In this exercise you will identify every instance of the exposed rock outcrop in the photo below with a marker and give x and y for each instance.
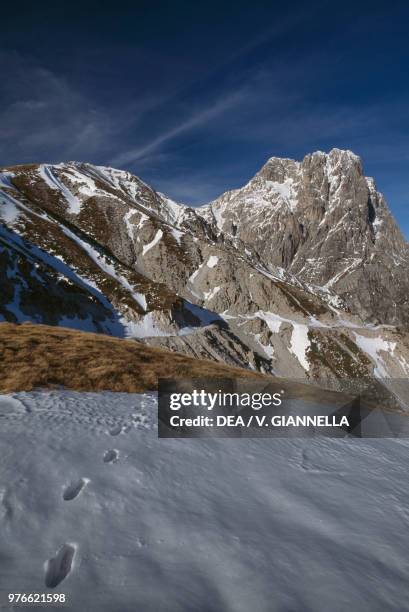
(323, 221)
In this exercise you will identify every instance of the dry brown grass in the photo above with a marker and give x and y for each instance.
(40, 356)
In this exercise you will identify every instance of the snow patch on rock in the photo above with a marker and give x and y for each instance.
(153, 242)
(56, 184)
(374, 347)
(212, 261)
(300, 344)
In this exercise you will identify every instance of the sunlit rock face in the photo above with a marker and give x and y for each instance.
(324, 221)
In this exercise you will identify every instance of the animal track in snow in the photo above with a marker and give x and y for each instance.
(58, 567)
(74, 489)
(111, 456)
(141, 420)
(115, 431)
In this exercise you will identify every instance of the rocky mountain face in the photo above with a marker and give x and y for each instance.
(302, 272)
(323, 221)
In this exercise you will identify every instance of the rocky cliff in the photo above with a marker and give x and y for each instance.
(323, 221)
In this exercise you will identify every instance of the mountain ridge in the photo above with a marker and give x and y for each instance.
(118, 257)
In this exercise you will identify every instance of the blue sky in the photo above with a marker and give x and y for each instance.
(195, 96)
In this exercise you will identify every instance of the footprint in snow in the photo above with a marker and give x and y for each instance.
(115, 431)
(74, 489)
(111, 456)
(59, 567)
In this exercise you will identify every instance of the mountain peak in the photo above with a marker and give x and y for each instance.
(322, 220)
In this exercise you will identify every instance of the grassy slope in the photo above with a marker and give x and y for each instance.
(42, 356)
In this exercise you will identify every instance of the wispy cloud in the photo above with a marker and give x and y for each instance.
(199, 119)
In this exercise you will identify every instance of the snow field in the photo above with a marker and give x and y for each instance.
(94, 505)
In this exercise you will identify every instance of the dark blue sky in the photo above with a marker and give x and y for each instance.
(195, 96)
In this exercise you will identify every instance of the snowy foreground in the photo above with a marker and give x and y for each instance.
(93, 505)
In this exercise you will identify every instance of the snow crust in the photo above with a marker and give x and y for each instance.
(196, 525)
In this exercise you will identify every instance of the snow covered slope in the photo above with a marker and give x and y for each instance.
(94, 505)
